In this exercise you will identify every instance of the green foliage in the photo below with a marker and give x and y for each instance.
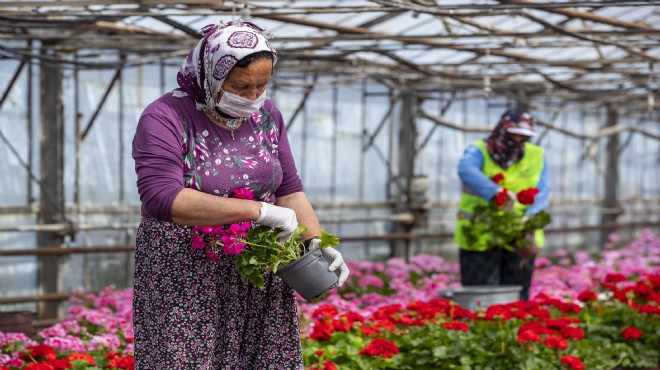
(494, 340)
(265, 253)
(505, 229)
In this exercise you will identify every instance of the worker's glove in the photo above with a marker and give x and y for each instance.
(335, 259)
(511, 199)
(281, 218)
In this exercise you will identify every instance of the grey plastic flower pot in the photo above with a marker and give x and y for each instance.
(480, 297)
(309, 275)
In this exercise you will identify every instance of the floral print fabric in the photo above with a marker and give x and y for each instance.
(193, 313)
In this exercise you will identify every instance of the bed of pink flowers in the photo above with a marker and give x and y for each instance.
(98, 331)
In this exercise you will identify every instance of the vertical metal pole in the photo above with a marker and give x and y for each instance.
(440, 153)
(305, 138)
(30, 126)
(122, 200)
(335, 132)
(77, 124)
(406, 167)
(77, 117)
(121, 132)
(51, 207)
(162, 75)
(361, 182)
(390, 145)
(610, 200)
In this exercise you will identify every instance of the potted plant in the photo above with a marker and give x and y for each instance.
(258, 251)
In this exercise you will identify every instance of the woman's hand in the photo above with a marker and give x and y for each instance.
(280, 218)
(337, 261)
(510, 201)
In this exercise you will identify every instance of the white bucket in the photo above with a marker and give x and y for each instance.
(480, 297)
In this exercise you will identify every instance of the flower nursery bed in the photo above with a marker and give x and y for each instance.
(588, 312)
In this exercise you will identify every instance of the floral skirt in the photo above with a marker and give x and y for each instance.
(193, 313)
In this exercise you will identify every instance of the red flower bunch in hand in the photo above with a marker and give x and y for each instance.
(500, 197)
(526, 196)
(505, 225)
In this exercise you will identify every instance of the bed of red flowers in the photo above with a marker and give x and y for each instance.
(615, 326)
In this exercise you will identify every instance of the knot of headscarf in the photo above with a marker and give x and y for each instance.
(207, 65)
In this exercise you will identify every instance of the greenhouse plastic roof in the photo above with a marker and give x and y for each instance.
(581, 50)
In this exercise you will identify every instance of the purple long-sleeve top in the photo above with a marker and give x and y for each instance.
(176, 146)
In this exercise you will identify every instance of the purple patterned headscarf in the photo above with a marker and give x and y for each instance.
(502, 149)
(207, 65)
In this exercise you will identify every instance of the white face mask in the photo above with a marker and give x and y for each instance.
(237, 106)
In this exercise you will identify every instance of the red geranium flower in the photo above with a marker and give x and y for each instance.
(650, 309)
(321, 331)
(380, 347)
(528, 335)
(526, 196)
(631, 333)
(572, 332)
(385, 324)
(587, 295)
(500, 197)
(124, 363)
(615, 278)
(643, 289)
(386, 312)
(558, 323)
(369, 330)
(342, 324)
(352, 317)
(456, 325)
(574, 362)
(38, 366)
(498, 178)
(326, 310)
(555, 342)
(655, 280)
(39, 352)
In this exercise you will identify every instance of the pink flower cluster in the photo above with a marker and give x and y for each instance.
(226, 238)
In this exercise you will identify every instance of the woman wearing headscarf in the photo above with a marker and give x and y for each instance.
(506, 151)
(194, 147)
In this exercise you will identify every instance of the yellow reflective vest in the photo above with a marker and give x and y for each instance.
(523, 174)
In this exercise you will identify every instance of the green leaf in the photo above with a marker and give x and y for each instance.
(328, 240)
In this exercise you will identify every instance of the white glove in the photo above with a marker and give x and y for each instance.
(333, 255)
(280, 218)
